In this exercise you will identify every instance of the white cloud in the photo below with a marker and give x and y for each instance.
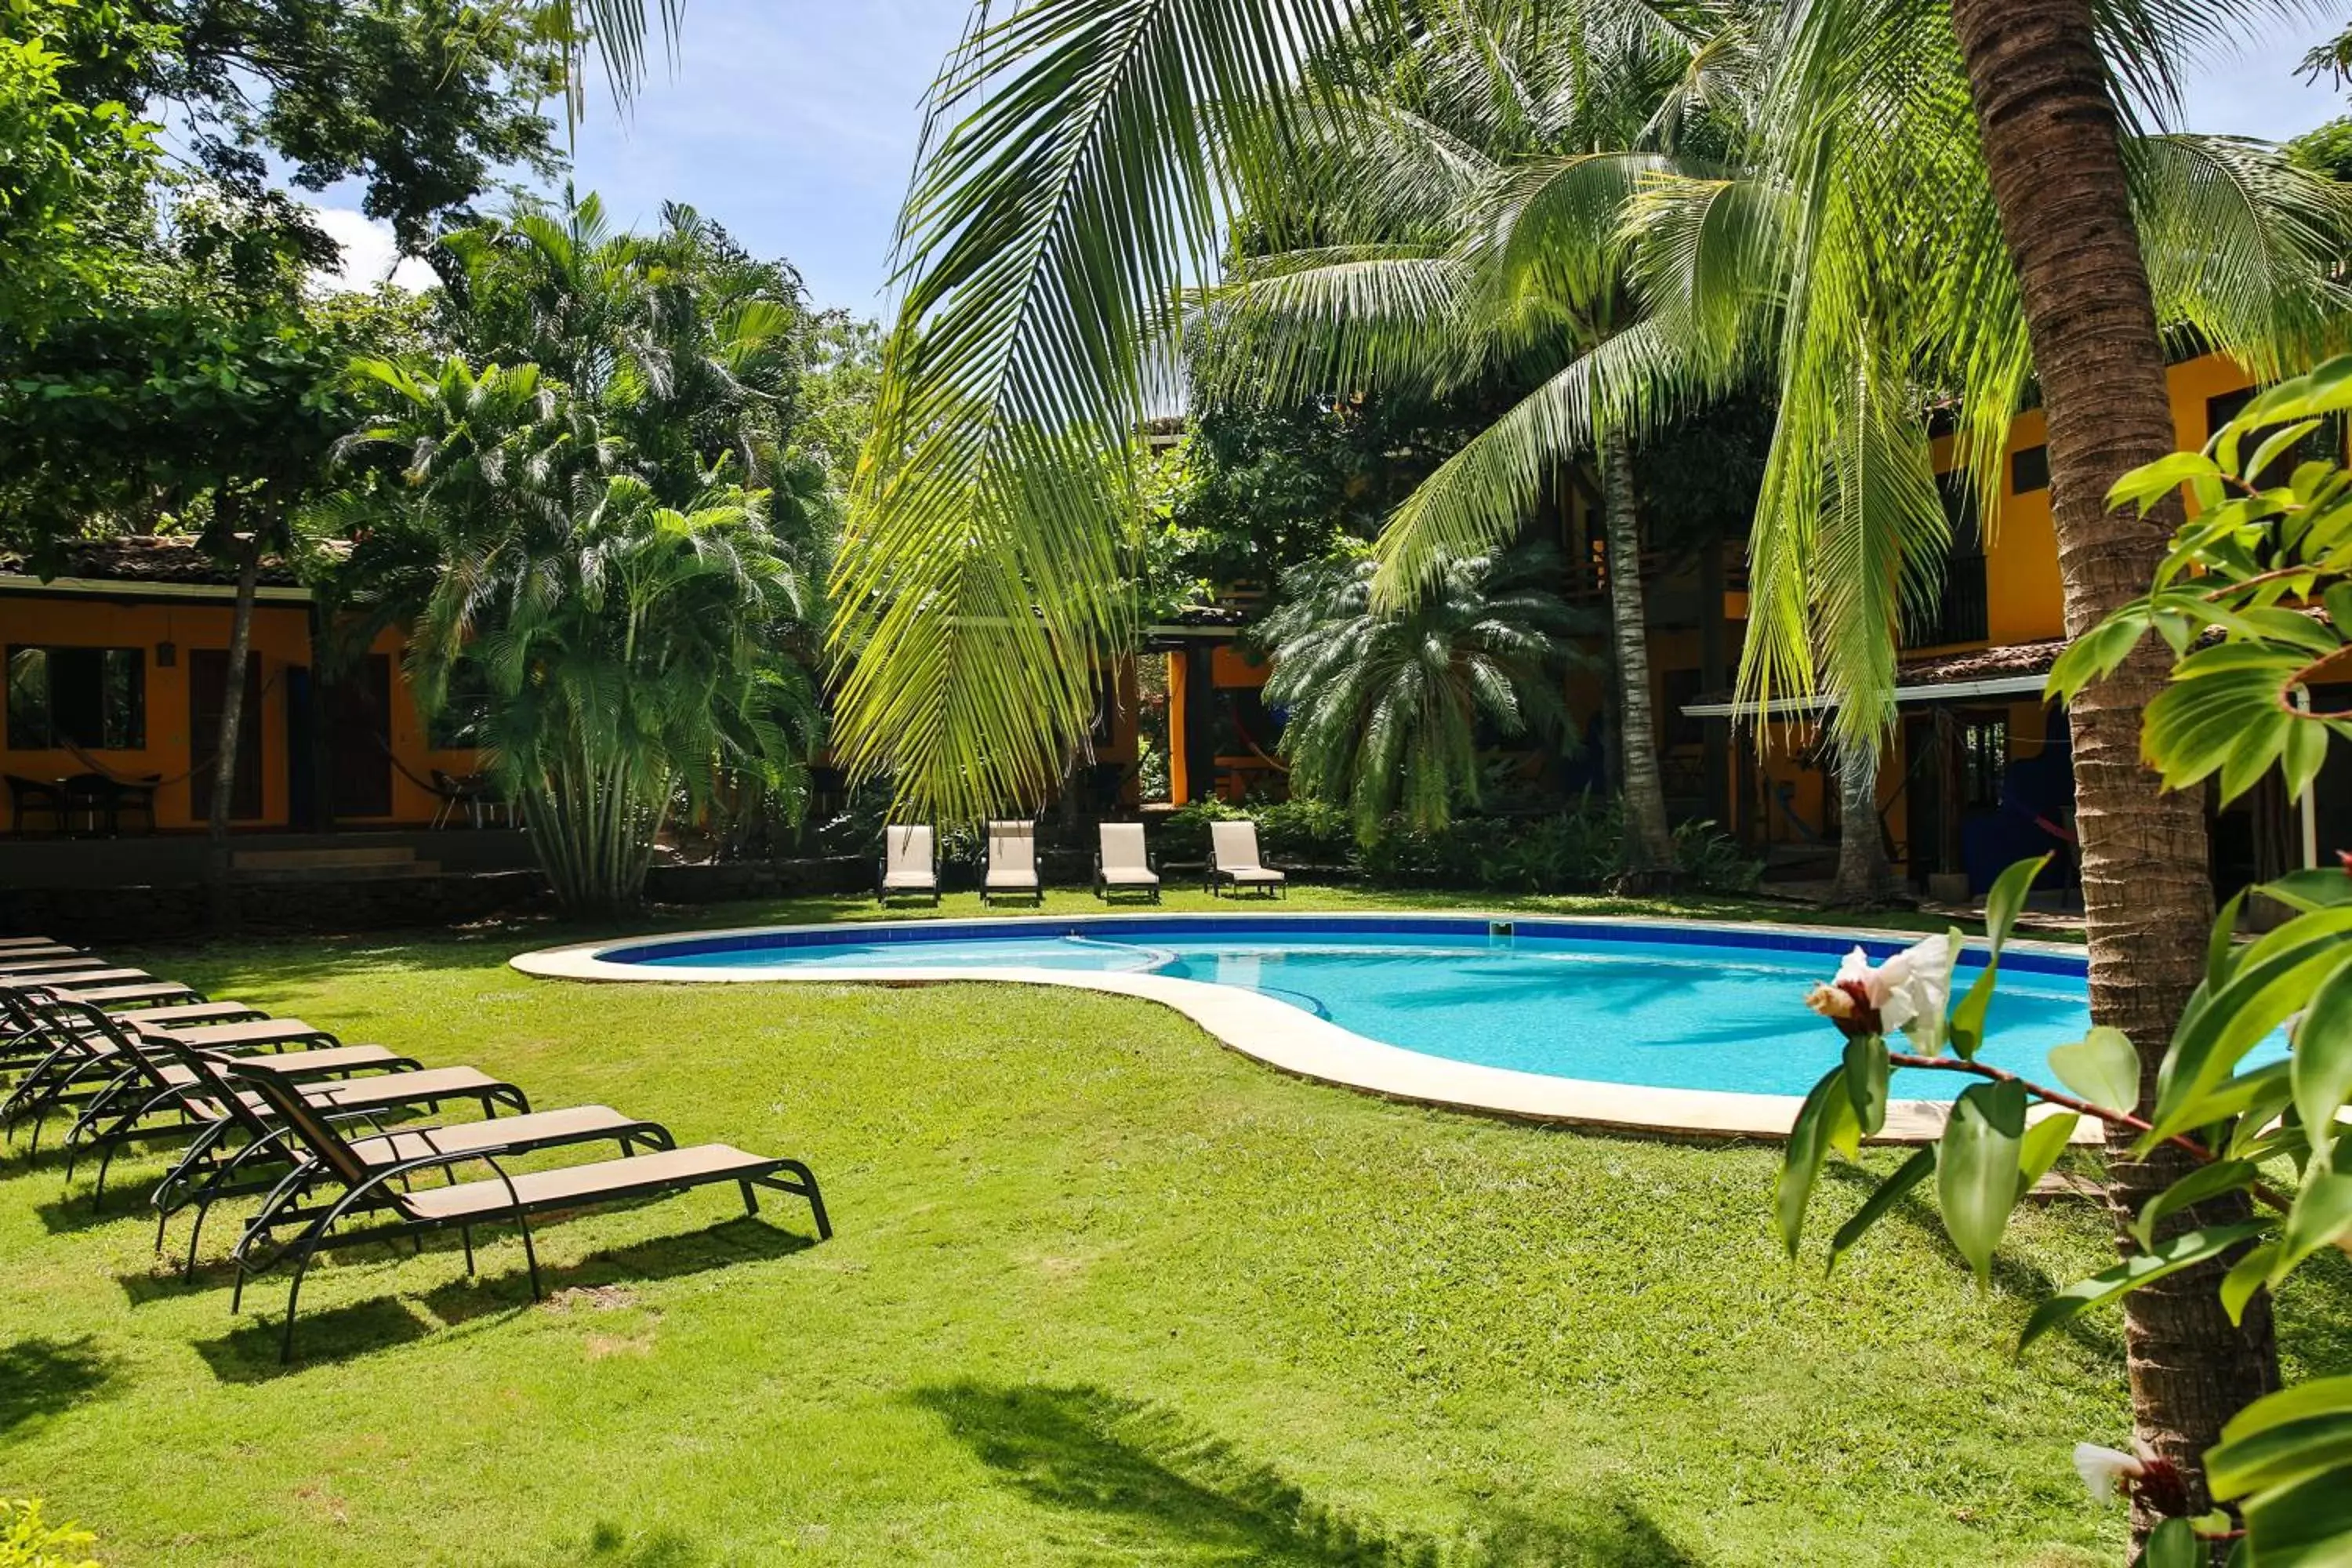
(369, 252)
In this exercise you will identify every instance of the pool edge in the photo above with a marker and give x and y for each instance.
(1298, 1043)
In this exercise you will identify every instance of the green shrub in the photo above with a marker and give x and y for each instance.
(25, 1542)
(1579, 850)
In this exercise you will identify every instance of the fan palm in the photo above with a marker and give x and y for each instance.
(1386, 705)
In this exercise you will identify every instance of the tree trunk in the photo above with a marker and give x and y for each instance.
(220, 893)
(1864, 879)
(1649, 842)
(2054, 152)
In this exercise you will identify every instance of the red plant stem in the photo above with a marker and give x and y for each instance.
(2118, 1118)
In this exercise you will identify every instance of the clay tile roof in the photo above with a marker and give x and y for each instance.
(1981, 664)
(149, 559)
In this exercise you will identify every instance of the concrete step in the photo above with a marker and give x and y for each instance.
(340, 857)
(362, 872)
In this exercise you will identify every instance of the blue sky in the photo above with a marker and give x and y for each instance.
(792, 123)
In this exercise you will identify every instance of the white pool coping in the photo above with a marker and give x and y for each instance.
(1297, 1042)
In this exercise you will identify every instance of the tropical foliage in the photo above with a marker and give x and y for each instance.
(2228, 602)
(1387, 710)
(595, 592)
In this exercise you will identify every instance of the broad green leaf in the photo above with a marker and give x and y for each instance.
(2281, 1454)
(2321, 1065)
(1865, 1081)
(2265, 1087)
(2204, 1182)
(2002, 906)
(1976, 1169)
(1908, 1175)
(2279, 441)
(2152, 482)
(2173, 1543)
(2307, 1525)
(2044, 1142)
(2338, 600)
(2318, 1396)
(2246, 1276)
(2221, 947)
(2315, 888)
(2322, 1212)
(2101, 1066)
(2006, 902)
(2176, 1253)
(2276, 977)
(1808, 1145)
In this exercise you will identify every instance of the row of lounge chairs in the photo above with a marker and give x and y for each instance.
(321, 1132)
(1123, 863)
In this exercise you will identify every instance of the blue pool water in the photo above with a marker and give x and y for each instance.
(1673, 1009)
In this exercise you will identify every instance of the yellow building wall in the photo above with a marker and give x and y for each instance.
(280, 641)
(2025, 599)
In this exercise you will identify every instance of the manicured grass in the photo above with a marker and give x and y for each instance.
(1103, 1292)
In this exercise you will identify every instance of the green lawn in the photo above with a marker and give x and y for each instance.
(1102, 1293)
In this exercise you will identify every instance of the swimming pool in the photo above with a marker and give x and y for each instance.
(1694, 1017)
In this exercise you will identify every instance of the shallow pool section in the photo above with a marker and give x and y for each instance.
(1657, 1004)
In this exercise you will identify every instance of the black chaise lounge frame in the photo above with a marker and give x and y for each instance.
(207, 1173)
(463, 1204)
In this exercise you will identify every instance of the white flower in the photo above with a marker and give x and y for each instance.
(1910, 988)
(2103, 1470)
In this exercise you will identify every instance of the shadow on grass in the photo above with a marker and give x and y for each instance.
(248, 1352)
(1159, 1488)
(610, 1543)
(41, 1377)
(2028, 1281)
(742, 1239)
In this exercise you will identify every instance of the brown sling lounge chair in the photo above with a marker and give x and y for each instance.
(154, 1097)
(208, 1173)
(499, 1197)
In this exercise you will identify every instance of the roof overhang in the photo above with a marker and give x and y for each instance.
(1945, 691)
(126, 590)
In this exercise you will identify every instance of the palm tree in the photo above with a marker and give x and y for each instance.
(1386, 705)
(1075, 175)
(1462, 219)
(630, 669)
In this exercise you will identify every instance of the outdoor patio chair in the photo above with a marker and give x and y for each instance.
(1123, 862)
(503, 1195)
(910, 864)
(1011, 863)
(211, 1171)
(1233, 861)
(153, 1096)
(28, 966)
(30, 797)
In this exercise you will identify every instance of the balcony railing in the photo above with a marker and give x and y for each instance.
(1960, 616)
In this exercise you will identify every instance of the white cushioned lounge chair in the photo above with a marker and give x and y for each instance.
(1011, 863)
(1123, 862)
(1233, 861)
(910, 864)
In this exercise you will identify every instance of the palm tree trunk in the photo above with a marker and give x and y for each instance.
(220, 893)
(1864, 879)
(1648, 841)
(2052, 149)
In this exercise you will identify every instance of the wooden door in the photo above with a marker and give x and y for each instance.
(207, 686)
(360, 700)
